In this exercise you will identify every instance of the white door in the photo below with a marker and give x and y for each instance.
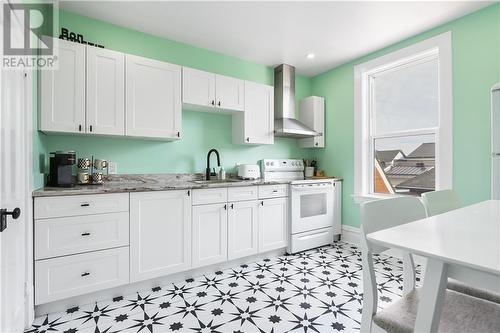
(198, 87)
(209, 234)
(160, 233)
(242, 229)
(273, 218)
(15, 146)
(259, 113)
(229, 93)
(153, 98)
(105, 91)
(62, 91)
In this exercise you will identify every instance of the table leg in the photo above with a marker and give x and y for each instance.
(432, 296)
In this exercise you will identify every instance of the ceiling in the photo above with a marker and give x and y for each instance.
(271, 33)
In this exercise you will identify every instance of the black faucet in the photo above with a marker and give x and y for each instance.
(208, 173)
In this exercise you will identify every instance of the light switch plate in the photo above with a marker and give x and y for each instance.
(112, 168)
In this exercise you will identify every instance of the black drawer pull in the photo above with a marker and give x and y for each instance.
(275, 191)
(85, 205)
(85, 274)
(232, 206)
(262, 203)
(86, 234)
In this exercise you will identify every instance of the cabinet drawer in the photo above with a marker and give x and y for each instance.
(69, 276)
(47, 207)
(70, 235)
(242, 193)
(273, 191)
(310, 239)
(209, 196)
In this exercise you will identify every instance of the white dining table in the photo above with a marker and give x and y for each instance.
(463, 244)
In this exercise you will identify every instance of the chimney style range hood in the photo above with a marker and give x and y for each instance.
(285, 124)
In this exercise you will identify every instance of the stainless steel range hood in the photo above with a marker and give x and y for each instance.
(285, 124)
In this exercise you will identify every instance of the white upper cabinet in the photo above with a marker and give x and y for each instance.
(229, 93)
(160, 234)
(312, 114)
(205, 91)
(153, 98)
(242, 229)
(105, 92)
(62, 92)
(198, 87)
(256, 124)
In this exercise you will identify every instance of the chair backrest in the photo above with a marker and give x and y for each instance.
(375, 216)
(438, 202)
(387, 213)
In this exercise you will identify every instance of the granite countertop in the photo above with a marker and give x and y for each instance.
(147, 182)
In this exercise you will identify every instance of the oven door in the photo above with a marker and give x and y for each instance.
(312, 206)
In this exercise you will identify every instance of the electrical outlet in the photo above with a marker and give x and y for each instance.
(112, 168)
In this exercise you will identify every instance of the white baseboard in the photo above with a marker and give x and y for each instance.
(350, 234)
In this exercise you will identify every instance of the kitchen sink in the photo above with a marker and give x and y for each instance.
(216, 181)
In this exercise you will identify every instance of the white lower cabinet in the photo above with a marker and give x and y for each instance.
(273, 220)
(242, 227)
(160, 233)
(78, 274)
(209, 234)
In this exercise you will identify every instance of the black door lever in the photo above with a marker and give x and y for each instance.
(3, 217)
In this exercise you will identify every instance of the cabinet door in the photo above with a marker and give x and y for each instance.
(105, 91)
(153, 98)
(242, 228)
(62, 91)
(160, 234)
(229, 93)
(209, 234)
(273, 220)
(259, 114)
(198, 87)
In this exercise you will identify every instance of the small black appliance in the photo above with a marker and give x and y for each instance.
(62, 168)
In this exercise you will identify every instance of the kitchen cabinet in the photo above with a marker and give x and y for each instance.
(256, 124)
(312, 114)
(273, 221)
(209, 234)
(160, 233)
(205, 91)
(229, 93)
(62, 91)
(242, 225)
(152, 99)
(105, 108)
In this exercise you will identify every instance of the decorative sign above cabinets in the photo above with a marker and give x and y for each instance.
(74, 37)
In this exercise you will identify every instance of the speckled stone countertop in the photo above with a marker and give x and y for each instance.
(147, 182)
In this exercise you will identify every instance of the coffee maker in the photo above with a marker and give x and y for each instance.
(62, 165)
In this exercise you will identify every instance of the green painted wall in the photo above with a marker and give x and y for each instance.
(201, 131)
(476, 67)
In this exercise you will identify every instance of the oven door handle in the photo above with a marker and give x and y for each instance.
(311, 188)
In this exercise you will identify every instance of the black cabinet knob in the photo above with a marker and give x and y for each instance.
(213, 102)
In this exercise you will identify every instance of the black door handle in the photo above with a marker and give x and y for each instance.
(15, 213)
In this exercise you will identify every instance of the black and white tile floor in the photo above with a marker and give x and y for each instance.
(316, 291)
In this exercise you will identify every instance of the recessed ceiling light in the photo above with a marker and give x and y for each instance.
(310, 56)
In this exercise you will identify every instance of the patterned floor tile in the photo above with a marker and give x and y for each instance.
(316, 291)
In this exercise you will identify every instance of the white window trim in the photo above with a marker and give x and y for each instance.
(444, 140)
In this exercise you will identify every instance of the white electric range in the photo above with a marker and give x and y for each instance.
(314, 204)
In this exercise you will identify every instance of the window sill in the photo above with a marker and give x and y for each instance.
(361, 198)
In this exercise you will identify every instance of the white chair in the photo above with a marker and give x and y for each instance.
(438, 202)
(461, 313)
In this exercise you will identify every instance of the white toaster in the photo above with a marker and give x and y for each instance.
(248, 171)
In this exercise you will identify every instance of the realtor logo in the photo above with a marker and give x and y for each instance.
(24, 25)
